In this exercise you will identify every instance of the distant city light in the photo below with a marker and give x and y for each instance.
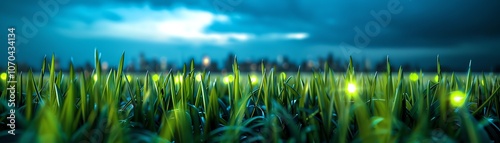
(105, 66)
(413, 76)
(206, 61)
(310, 64)
(163, 63)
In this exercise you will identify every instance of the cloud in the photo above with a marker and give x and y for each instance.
(296, 36)
(326, 22)
(179, 25)
(146, 24)
(284, 36)
(421, 23)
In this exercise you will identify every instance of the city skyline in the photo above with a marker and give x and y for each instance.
(280, 64)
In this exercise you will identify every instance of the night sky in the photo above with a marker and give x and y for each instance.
(408, 31)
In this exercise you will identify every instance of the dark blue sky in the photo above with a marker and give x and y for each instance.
(409, 31)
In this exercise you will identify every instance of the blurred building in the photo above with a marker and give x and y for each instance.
(279, 64)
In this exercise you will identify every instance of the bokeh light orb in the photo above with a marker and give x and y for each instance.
(414, 77)
(457, 98)
(3, 76)
(283, 75)
(228, 79)
(254, 79)
(129, 78)
(178, 79)
(198, 77)
(156, 77)
(351, 88)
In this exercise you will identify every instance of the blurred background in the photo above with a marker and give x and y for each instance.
(159, 35)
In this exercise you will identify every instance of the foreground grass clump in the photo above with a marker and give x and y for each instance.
(197, 107)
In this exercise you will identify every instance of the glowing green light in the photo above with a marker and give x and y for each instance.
(129, 78)
(254, 79)
(482, 82)
(457, 98)
(198, 77)
(156, 77)
(351, 88)
(413, 76)
(3, 76)
(95, 77)
(436, 78)
(283, 75)
(178, 79)
(228, 79)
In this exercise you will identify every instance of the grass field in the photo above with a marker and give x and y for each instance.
(188, 106)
